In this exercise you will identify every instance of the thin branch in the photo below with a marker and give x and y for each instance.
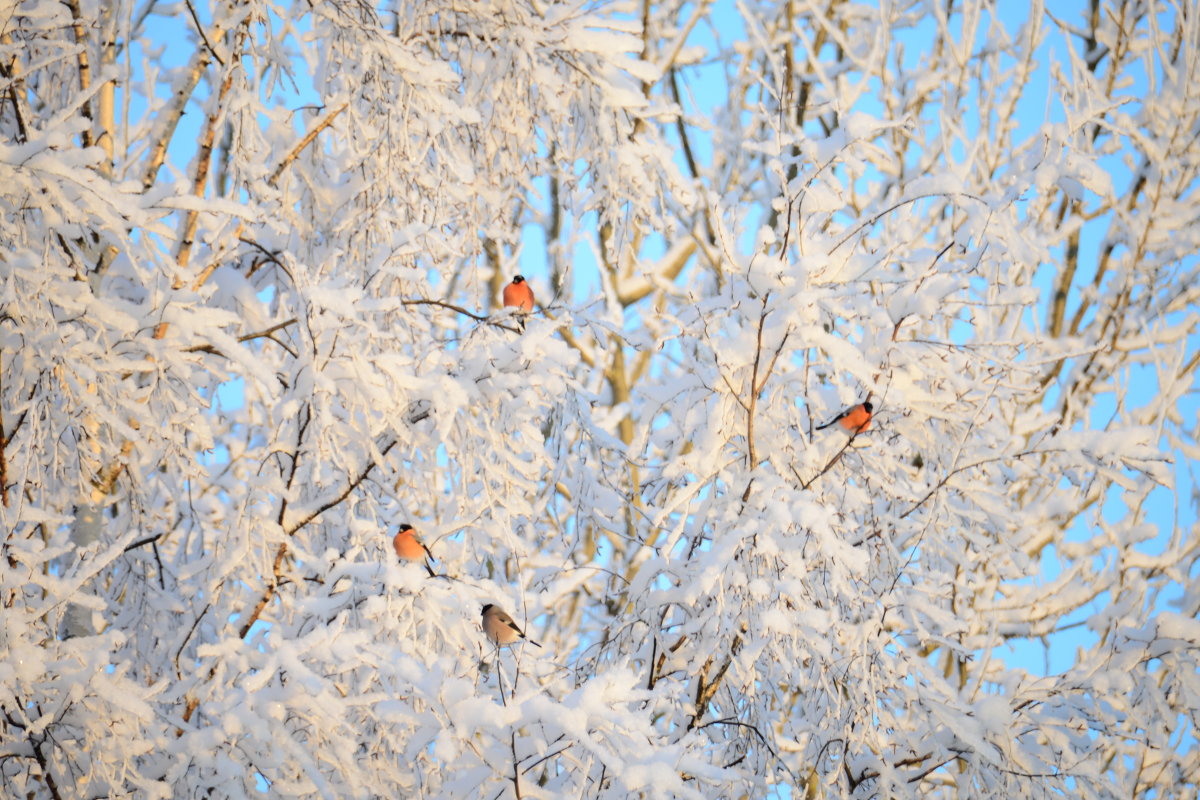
(516, 773)
(921, 775)
(738, 723)
(771, 367)
(321, 125)
(11, 72)
(268, 593)
(43, 762)
(868, 223)
(200, 30)
(3, 442)
(85, 74)
(706, 690)
(653, 653)
(192, 630)
(269, 257)
(266, 333)
(460, 310)
(549, 756)
(168, 119)
(200, 178)
(276, 567)
(837, 457)
(442, 304)
(24, 414)
(668, 62)
(965, 467)
(144, 542)
(350, 487)
(752, 407)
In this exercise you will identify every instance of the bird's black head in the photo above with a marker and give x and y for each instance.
(485, 608)
(407, 527)
(867, 405)
(518, 278)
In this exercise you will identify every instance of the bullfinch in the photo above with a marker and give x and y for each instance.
(409, 547)
(855, 419)
(518, 295)
(501, 629)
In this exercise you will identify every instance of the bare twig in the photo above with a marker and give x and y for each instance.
(144, 541)
(921, 775)
(192, 630)
(872, 220)
(200, 30)
(752, 405)
(761, 738)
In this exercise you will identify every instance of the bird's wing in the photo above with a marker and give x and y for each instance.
(838, 418)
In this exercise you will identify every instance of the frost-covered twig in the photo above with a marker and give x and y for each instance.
(3, 442)
(707, 689)
(320, 125)
(291, 528)
(516, 763)
(266, 333)
(900, 204)
(460, 310)
(35, 744)
(828, 466)
(551, 755)
(754, 729)
(10, 72)
(945, 478)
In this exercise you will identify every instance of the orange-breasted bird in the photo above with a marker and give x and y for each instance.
(519, 295)
(855, 419)
(409, 547)
(501, 629)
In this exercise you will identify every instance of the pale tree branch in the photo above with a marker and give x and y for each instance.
(315, 131)
(168, 119)
(85, 74)
(200, 178)
(11, 72)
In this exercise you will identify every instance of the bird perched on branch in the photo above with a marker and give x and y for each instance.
(409, 547)
(519, 295)
(855, 419)
(501, 629)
